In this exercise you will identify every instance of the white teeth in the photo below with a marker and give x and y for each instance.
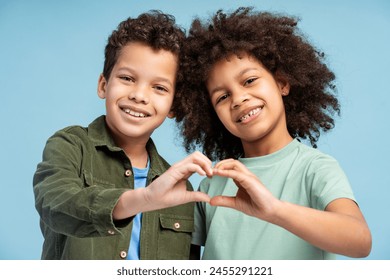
(134, 114)
(251, 113)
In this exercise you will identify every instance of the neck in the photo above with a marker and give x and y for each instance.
(266, 145)
(134, 147)
(138, 156)
(135, 151)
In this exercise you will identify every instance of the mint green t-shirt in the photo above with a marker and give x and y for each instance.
(298, 174)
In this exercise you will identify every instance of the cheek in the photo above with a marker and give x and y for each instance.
(113, 92)
(219, 113)
(279, 104)
(163, 104)
(224, 117)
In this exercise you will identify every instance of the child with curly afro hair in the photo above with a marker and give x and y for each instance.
(252, 87)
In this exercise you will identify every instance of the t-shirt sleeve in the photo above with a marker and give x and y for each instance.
(326, 181)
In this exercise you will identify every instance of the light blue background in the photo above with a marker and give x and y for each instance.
(51, 54)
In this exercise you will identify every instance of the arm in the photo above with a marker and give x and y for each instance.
(340, 229)
(167, 190)
(64, 197)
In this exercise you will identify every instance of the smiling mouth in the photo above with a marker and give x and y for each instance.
(249, 114)
(134, 113)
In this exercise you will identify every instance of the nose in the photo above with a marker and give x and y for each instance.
(139, 94)
(239, 98)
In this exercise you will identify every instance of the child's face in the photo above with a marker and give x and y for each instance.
(139, 92)
(248, 100)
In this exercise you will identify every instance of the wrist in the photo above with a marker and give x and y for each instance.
(130, 203)
(276, 212)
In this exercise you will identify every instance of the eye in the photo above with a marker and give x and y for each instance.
(221, 98)
(249, 81)
(126, 78)
(161, 89)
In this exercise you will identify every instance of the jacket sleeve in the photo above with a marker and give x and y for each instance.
(64, 200)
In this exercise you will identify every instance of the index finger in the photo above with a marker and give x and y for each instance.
(239, 177)
(232, 165)
(222, 162)
(201, 160)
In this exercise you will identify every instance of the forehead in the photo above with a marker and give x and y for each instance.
(141, 55)
(233, 65)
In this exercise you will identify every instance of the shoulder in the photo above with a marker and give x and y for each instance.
(317, 168)
(76, 130)
(325, 179)
(70, 134)
(69, 140)
(314, 158)
(95, 132)
(66, 145)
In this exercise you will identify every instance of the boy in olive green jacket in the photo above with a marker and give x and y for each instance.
(90, 188)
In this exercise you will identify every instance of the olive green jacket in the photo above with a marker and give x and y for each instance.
(76, 187)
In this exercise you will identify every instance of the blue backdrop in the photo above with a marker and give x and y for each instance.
(51, 55)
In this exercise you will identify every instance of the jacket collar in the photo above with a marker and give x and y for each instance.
(100, 135)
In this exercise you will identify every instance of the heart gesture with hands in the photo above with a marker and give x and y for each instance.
(252, 197)
(168, 190)
(340, 228)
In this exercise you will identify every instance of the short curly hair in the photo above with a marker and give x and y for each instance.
(155, 29)
(276, 42)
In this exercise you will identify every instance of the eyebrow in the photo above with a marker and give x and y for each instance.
(215, 90)
(245, 70)
(162, 79)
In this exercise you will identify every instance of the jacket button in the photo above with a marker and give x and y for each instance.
(176, 225)
(111, 232)
(128, 173)
(123, 254)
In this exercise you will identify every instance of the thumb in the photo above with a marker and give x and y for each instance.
(224, 201)
(199, 196)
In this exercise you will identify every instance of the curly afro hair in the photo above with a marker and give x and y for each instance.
(155, 29)
(275, 41)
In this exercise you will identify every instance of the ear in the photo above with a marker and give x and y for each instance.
(283, 85)
(101, 89)
(285, 89)
(171, 114)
